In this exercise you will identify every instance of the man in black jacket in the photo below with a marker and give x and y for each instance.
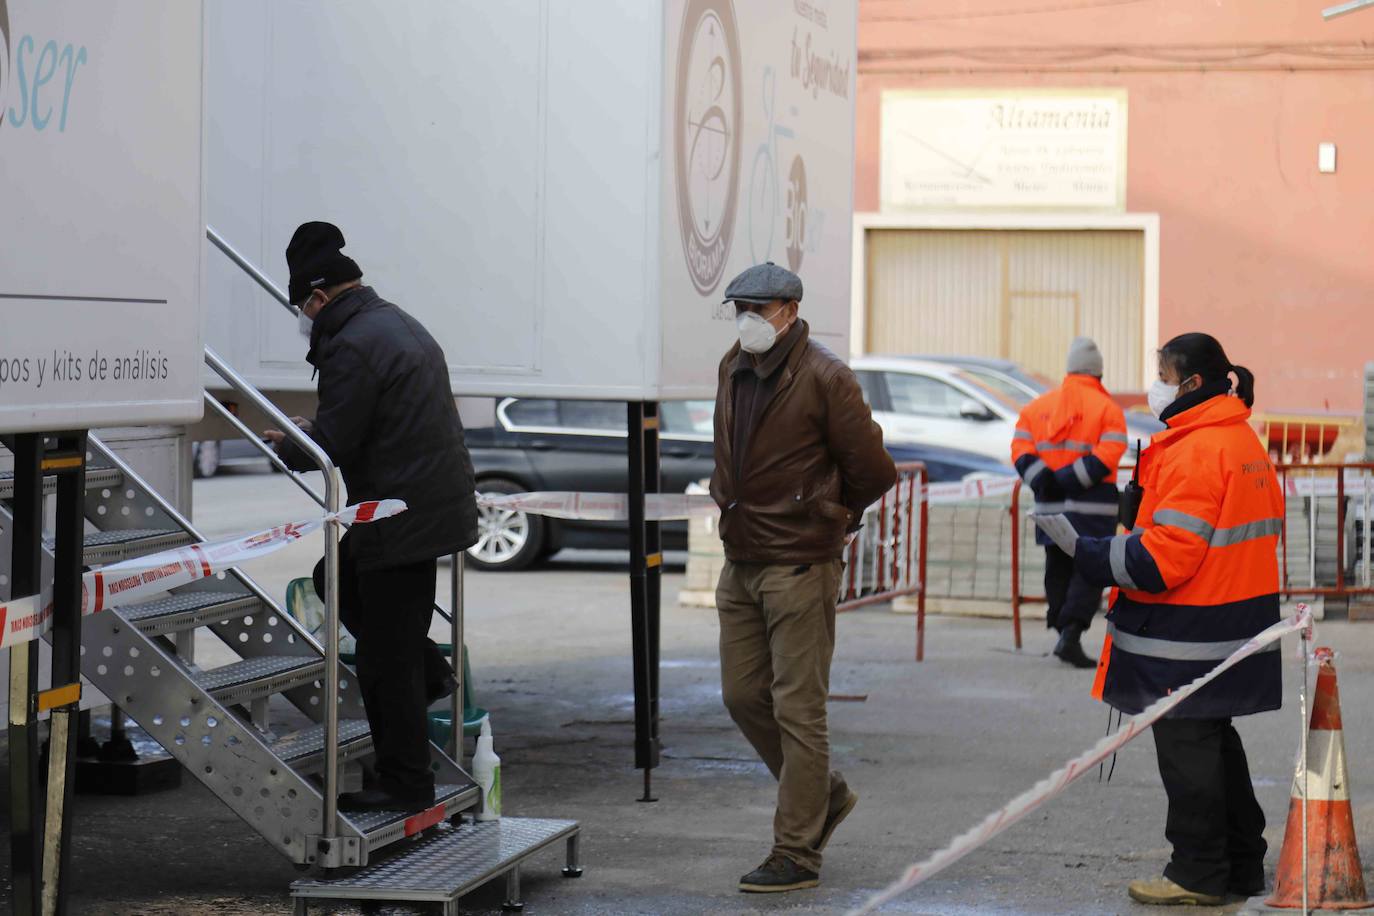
(388, 420)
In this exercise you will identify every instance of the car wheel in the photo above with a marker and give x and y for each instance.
(205, 459)
(507, 539)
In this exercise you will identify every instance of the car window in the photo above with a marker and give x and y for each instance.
(533, 412)
(868, 384)
(998, 387)
(922, 395)
(688, 418)
(609, 416)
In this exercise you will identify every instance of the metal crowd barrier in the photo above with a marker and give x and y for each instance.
(1324, 548)
(1018, 535)
(1324, 545)
(887, 559)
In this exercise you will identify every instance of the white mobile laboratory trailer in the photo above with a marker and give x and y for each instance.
(559, 190)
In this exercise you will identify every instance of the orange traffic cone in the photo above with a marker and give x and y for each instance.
(1335, 881)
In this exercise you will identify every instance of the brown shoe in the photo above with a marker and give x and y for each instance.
(776, 875)
(1163, 892)
(836, 815)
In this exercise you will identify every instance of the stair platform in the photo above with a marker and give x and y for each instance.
(449, 864)
(96, 476)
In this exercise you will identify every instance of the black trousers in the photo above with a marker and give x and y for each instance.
(388, 611)
(1215, 824)
(1071, 598)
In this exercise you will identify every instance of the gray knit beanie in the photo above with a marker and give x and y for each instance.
(1084, 357)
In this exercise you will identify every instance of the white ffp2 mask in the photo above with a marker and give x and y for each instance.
(756, 333)
(1161, 395)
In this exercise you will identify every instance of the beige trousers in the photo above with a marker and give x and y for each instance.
(777, 636)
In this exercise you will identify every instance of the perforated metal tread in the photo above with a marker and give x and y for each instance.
(95, 477)
(113, 546)
(254, 678)
(447, 865)
(298, 748)
(187, 610)
(379, 825)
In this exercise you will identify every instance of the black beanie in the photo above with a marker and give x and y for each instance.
(315, 261)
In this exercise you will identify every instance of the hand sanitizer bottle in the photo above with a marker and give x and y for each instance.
(486, 769)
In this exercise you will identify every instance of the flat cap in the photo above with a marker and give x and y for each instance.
(764, 283)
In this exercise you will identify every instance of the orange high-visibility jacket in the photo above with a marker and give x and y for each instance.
(1198, 576)
(1067, 446)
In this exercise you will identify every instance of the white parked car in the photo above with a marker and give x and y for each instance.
(966, 403)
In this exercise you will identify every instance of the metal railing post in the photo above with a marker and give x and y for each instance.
(457, 710)
(1364, 519)
(1016, 563)
(1340, 529)
(331, 655)
(922, 544)
(1313, 506)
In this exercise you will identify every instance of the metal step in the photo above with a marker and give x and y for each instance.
(256, 678)
(114, 546)
(304, 750)
(188, 610)
(451, 863)
(95, 477)
(381, 828)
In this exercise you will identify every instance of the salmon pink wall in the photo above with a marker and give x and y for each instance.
(1228, 100)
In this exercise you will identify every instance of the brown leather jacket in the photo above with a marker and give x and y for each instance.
(814, 463)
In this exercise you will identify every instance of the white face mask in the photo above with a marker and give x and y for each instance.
(305, 324)
(1161, 395)
(756, 333)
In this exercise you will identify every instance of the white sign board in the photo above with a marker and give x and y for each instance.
(1003, 149)
(100, 214)
(558, 191)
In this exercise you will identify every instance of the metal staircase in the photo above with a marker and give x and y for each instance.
(256, 731)
(252, 731)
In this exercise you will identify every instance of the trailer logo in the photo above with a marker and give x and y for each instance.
(707, 137)
(4, 56)
(45, 72)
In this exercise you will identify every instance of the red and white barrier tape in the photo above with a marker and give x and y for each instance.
(601, 507)
(1059, 780)
(27, 618)
(966, 490)
(662, 507)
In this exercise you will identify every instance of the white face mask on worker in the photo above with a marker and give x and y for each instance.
(1161, 395)
(756, 333)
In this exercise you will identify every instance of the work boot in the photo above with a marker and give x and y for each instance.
(776, 875)
(840, 805)
(1070, 650)
(1163, 892)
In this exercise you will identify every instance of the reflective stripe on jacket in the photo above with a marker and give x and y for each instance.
(1199, 574)
(1067, 446)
